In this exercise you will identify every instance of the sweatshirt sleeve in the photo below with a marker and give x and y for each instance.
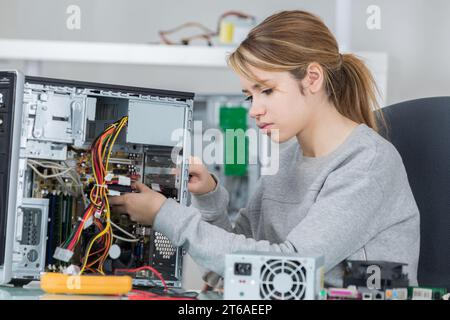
(343, 219)
(213, 203)
(213, 208)
(206, 243)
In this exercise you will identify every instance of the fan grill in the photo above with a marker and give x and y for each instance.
(283, 280)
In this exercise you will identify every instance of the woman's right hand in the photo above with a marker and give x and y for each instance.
(200, 180)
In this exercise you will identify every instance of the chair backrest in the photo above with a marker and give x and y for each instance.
(420, 130)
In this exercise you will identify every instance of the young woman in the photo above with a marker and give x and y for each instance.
(341, 190)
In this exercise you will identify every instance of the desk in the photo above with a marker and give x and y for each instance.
(33, 292)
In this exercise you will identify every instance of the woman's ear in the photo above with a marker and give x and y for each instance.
(314, 78)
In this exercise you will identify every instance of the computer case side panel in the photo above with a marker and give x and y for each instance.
(11, 89)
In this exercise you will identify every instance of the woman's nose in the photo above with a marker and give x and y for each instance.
(256, 110)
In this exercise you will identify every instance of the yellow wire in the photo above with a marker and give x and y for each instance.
(108, 228)
(122, 123)
(92, 164)
(103, 257)
(108, 211)
(103, 156)
(106, 144)
(104, 195)
(108, 225)
(90, 247)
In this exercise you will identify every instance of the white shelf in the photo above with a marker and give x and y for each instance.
(131, 53)
(149, 54)
(123, 53)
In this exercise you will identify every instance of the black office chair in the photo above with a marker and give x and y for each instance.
(420, 130)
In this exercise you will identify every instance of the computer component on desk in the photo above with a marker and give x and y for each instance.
(65, 146)
(396, 294)
(426, 293)
(371, 294)
(350, 293)
(362, 274)
(272, 276)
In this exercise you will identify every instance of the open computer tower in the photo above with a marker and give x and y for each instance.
(47, 173)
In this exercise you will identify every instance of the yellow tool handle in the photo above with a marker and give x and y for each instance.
(57, 283)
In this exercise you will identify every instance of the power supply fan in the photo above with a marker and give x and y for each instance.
(282, 280)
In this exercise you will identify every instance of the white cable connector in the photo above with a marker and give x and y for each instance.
(62, 254)
(98, 213)
(120, 229)
(125, 239)
(124, 181)
(88, 222)
(156, 187)
(72, 270)
(113, 193)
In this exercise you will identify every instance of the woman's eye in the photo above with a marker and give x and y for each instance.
(266, 92)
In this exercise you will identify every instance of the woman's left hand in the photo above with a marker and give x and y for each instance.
(142, 207)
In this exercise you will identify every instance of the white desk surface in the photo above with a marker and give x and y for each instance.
(34, 292)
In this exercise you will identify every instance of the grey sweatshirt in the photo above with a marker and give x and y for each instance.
(355, 203)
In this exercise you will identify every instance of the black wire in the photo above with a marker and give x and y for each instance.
(170, 292)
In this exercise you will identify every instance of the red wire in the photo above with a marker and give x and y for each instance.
(80, 229)
(144, 295)
(99, 170)
(146, 268)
